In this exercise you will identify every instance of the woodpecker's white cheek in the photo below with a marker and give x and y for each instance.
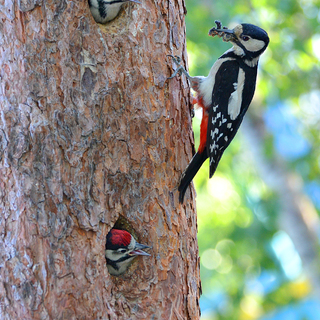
(253, 45)
(111, 255)
(113, 10)
(235, 99)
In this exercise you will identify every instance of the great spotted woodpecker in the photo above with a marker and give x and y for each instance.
(224, 95)
(106, 10)
(121, 249)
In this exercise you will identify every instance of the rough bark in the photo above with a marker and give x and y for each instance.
(90, 130)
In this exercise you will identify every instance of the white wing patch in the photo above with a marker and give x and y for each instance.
(207, 84)
(235, 99)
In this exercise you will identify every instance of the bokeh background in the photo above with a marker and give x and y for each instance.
(258, 217)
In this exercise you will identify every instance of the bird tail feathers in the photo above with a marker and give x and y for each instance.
(191, 170)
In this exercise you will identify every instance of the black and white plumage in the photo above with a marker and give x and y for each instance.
(104, 11)
(121, 249)
(232, 94)
(224, 95)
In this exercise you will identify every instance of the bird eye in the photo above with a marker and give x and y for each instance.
(122, 250)
(245, 38)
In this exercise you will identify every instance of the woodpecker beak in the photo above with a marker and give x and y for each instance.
(136, 1)
(222, 32)
(138, 252)
(225, 34)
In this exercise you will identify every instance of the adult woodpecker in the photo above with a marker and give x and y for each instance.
(106, 10)
(224, 95)
(121, 249)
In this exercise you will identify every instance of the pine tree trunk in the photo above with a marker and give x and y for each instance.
(90, 131)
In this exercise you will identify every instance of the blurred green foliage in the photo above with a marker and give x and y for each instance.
(237, 211)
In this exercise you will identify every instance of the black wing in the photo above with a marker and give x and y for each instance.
(227, 109)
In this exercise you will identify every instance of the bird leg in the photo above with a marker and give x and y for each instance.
(180, 69)
(194, 81)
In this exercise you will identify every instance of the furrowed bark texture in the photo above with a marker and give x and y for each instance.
(90, 130)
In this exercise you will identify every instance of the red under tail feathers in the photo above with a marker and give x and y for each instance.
(203, 125)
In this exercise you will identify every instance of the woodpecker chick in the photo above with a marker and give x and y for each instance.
(224, 95)
(121, 249)
(106, 10)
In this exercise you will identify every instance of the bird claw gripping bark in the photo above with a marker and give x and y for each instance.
(180, 69)
(192, 113)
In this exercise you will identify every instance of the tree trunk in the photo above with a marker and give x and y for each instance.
(91, 131)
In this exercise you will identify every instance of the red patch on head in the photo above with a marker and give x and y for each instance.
(120, 237)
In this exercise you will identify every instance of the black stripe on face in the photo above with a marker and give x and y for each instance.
(103, 6)
(116, 1)
(113, 263)
(102, 9)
